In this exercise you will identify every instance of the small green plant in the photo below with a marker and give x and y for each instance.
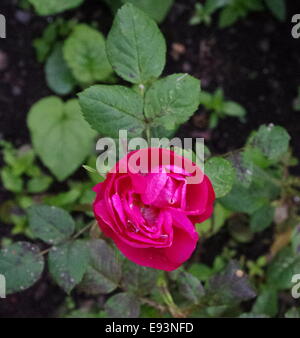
(233, 10)
(203, 12)
(156, 9)
(57, 30)
(74, 54)
(218, 108)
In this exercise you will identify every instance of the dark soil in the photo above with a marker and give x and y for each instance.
(256, 62)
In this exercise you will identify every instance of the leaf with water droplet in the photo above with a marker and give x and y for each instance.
(138, 279)
(272, 141)
(122, 305)
(68, 263)
(282, 268)
(104, 270)
(51, 224)
(172, 100)
(221, 173)
(190, 287)
(21, 265)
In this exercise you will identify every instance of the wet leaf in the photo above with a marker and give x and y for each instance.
(122, 305)
(111, 108)
(190, 287)
(266, 303)
(138, 279)
(221, 173)
(282, 268)
(21, 266)
(103, 273)
(68, 263)
(272, 140)
(172, 100)
(262, 218)
(51, 224)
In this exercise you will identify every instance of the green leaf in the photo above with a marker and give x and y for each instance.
(156, 9)
(58, 75)
(213, 225)
(50, 7)
(200, 15)
(217, 104)
(50, 224)
(282, 268)
(206, 99)
(60, 135)
(231, 108)
(272, 140)
(68, 263)
(111, 108)
(292, 313)
(122, 305)
(243, 168)
(228, 17)
(190, 287)
(19, 160)
(200, 271)
(10, 181)
(296, 240)
(138, 279)
(278, 8)
(172, 100)
(94, 177)
(39, 184)
(44, 44)
(248, 200)
(104, 270)
(213, 120)
(221, 173)
(63, 199)
(262, 218)
(216, 311)
(266, 303)
(21, 265)
(252, 315)
(135, 46)
(212, 5)
(84, 52)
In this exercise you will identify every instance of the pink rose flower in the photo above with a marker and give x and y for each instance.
(151, 216)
